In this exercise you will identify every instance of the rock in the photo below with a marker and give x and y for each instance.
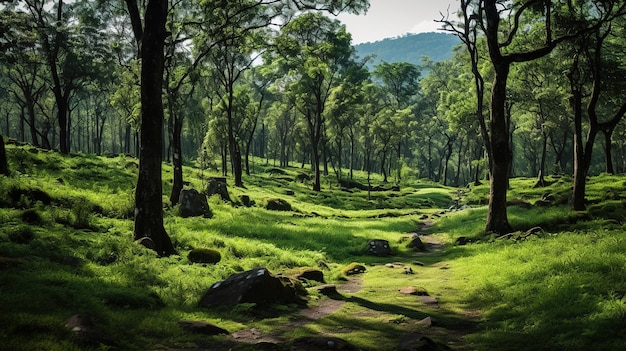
(322, 343)
(87, 332)
(408, 270)
(428, 300)
(419, 342)
(301, 177)
(412, 290)
(378, 247)
(417, 244)
(245, 200)
(254, 286)
(462, 240)
(428, 321)
(327, 290)
(289, 192)
(312, 274)
(277, 171)
(217, 186)
(278, 205)
(147, 242)
(202, 328)
(192, 203)
(204, 256)
(353, 268)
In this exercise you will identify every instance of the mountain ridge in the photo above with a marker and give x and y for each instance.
(409, 48)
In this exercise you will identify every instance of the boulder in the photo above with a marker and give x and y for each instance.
(417, 244)
(378, 247)
(192, 203)
(217, 186)
(327, 290)
(257, 286)
(353, 268)
(312, 274)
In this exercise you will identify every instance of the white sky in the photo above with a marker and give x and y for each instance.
(392, 18)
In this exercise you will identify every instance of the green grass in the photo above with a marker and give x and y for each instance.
(67, 224)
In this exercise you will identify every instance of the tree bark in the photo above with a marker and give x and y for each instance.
(4, 165)
(177, 155)
(148, 195)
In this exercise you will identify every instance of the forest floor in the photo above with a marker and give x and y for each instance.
(448, 336)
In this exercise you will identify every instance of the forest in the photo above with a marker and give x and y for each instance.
(510, 155)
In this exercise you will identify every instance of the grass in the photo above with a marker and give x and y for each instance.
(66, 247)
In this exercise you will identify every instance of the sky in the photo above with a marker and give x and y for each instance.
(392, 18)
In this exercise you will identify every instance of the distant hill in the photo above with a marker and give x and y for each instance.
(410, 48)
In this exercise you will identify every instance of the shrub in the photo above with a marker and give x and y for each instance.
(31, 216)
(278, 205)
(21, 235)
(204, 256)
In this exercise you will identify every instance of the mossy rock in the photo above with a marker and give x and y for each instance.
(278, 205)
(204, 256)
(353, 268)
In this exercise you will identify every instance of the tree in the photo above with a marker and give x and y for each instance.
(345, 108)
(589, 50)
(313, 48)
(529, 31)
(148, 195)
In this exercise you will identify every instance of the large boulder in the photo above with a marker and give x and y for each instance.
(378, 247)
(192, 203)
(217, 186)
(257, 286)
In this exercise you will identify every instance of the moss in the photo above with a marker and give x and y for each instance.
(204, 255)
(278, 204)
(353, 268)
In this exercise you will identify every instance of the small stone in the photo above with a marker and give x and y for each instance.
(428, 300)
(426, 321)
(409, 290)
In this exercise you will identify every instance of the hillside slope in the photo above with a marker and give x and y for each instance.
(410, 48)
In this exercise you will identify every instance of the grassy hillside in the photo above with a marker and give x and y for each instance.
(66, 248)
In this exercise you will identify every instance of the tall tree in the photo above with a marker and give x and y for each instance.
(150, 37)
(313, 48)
(508, 41)
(590, 63)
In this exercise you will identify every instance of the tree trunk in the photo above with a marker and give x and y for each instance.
(608, 156)
(149, 192)
(177, 157)
(497, 220)
(4, 165)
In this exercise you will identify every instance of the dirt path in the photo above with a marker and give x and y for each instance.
(325, 307)
(280, 333)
